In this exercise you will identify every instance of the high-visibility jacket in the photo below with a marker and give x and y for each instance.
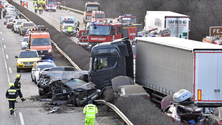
(90, 110)
(11, 94)
(69, 29)
(40, 8)
(36, 8)
(27, 3)
(17, 84)
(38, 1)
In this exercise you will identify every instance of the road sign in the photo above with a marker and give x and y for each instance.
(216, 31)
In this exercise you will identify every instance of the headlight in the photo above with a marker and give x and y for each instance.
(19, 62)
(50, 50)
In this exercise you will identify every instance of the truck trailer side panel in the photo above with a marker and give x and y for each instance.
(163, 68)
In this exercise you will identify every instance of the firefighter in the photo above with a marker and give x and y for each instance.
(42, 9)
(34, 2)
(17, 84)
(23, 4)
(36, 8)
(69, 30)
(11, 94)
(90, 110)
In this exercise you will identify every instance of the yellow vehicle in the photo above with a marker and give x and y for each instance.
(26, 59)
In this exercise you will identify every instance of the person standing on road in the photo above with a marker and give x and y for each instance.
(23, 4)
(36, 8)
(34, 2)
(27, 4)
(11, 94)
(40, 10)
(90, 110)
(17, 84)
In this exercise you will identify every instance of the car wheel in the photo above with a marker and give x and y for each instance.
(35, 81)
(78, 102)
(18, 69)
(43, 83)
(107, 93)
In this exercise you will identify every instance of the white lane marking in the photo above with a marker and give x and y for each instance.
(10, 70)
(2, 38)
(5, 64)
(16, 123)
(6, 56)
(4, 46)
(21, 118)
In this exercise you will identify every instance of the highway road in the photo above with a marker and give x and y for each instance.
(29, 112)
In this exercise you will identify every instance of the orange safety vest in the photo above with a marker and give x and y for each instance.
(26, 3)
(23, 4)
(41, 7)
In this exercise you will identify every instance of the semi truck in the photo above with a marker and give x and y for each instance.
(179, 24)
(89, 7)
(164, 65)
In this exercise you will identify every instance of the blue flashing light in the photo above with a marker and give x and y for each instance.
(49, 60)
(153, 36)
(139, 35)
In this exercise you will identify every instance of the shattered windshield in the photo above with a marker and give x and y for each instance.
(99, 30)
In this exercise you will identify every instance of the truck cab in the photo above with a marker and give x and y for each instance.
(106, 62)
(40, 40)
(98, 16)
(89, 7)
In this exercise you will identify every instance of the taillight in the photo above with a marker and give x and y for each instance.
(199, 94)
(148, 97)
(219, 122)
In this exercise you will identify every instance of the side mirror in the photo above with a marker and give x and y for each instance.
(16, 56)
(113, 30)
(211, 112)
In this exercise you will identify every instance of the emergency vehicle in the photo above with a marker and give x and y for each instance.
(39, 39)
(89, 7)
(50, 5)
(99, 32)
(98, 16)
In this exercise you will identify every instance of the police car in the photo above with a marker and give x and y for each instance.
(39, 65)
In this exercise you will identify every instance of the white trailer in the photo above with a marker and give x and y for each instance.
(179, 24)
(164, 65)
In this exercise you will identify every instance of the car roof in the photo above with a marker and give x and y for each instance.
(27, 50)
(45, 63)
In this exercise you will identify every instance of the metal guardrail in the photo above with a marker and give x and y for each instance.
(113, 107)
(60, 50)
(71, 9)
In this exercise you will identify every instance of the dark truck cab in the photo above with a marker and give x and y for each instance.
(107, 61)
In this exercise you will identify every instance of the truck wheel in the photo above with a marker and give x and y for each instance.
(18, 69)
(107, 93)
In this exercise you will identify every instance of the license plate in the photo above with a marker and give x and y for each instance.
(28, 64)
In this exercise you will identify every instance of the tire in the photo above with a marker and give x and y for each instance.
(78, 102)
(107, 93)
(35, 81)
(43, 82)
(40, 94)
(18, 69)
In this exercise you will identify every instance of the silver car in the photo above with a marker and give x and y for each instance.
(25, 26)
(24, 43)
(17, 25)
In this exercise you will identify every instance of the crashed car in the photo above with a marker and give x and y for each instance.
(72, 91)
(181, 108)
(63, 73)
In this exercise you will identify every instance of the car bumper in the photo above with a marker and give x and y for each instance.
(25, 66)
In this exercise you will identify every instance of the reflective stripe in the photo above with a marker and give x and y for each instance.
(11, 109)
(91, 106)
(11, 99)
(17, 89)
(11, 90)
(90, 115)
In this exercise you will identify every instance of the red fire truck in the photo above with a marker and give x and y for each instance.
(89, 7)
(105, 32)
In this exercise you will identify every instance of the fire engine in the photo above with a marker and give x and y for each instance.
(99, 32)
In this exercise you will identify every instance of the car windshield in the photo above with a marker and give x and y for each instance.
(99, 15)
(58, 3)
(28, 24)
(92, 8)
(41, 42)
(68, 21)
(128, 20)
(26, 39)
(51, 2)
(7, 17)
(99, 30)
(45, 66)
(28, 54)
(10, 20)
(75, 83)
